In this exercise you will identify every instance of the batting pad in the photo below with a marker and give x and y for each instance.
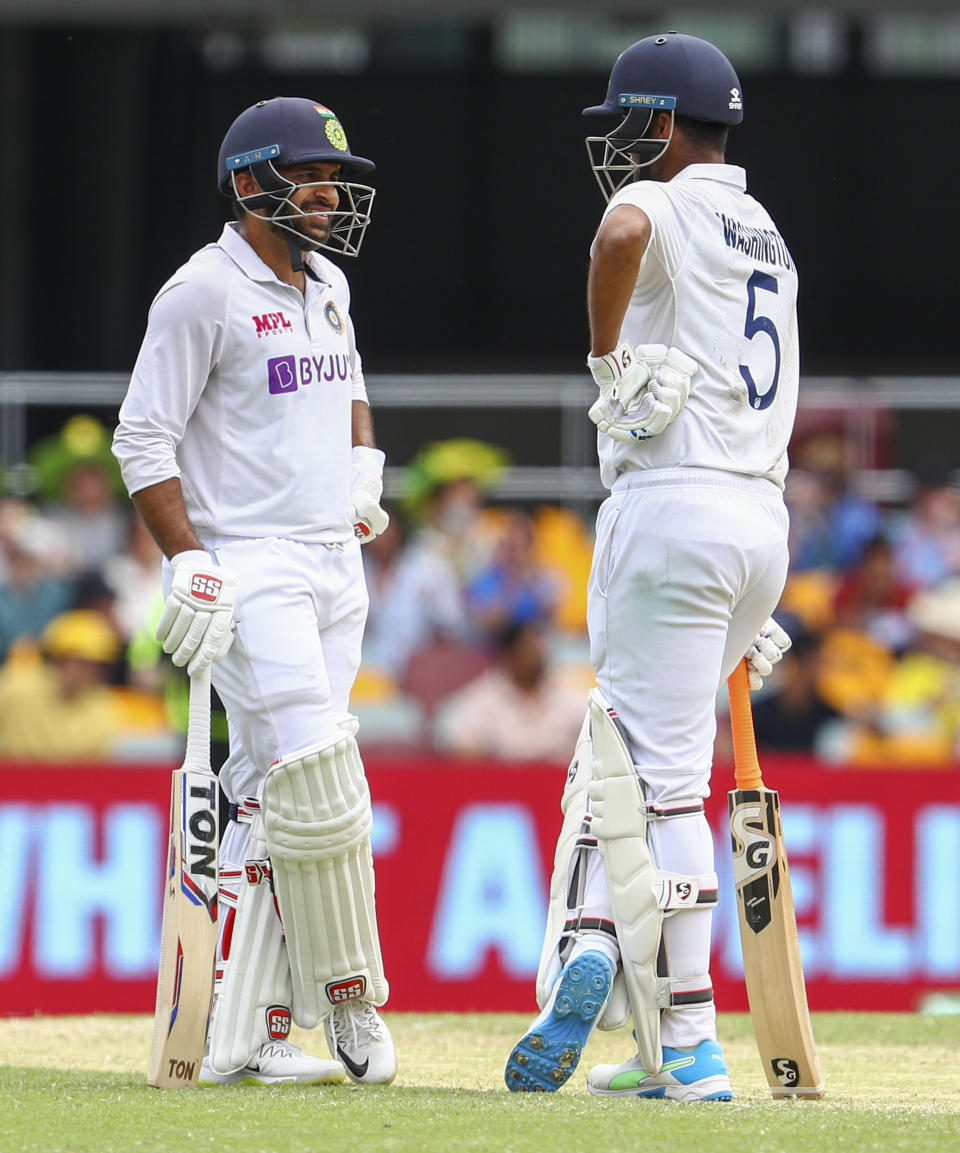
(253, 1003)
(633, 880)
(317, 817)
(573, 805)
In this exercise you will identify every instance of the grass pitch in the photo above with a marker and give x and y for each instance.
(77, 1085)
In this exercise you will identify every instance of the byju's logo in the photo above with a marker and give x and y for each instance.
(288, 373)
(282, 374)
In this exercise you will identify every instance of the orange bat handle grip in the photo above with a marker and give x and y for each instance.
(746, 764)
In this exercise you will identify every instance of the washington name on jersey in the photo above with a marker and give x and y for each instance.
(718, 282)
(763, 244)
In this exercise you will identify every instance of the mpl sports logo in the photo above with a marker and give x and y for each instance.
(350, 989)
(270, 324)
(205, 587)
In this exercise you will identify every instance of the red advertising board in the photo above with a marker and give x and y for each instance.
(463, 856)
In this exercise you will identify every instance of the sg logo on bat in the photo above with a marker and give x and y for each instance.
(786, 1070)
(755, 852)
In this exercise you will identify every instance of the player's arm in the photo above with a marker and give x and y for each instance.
(362, 422)
(642, 389)
(183, 341)
(618, 251)
(196, 624)
(367, 461)
(182, 344)
(164, 513)
(366, 477)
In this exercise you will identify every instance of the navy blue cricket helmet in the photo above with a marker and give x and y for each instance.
(674, 73)
(292, 130)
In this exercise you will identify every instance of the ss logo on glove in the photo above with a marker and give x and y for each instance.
(196, 624)
(205, 588)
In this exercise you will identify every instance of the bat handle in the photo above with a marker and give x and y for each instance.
(745, 761)
(198, 722)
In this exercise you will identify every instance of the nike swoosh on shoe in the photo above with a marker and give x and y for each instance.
(354, 1067)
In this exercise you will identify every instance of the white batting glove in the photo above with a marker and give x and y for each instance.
(366, 489)
(196, 624)
(641, 390)
(768, 647)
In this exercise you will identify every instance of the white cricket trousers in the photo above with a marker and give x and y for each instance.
(286, 681)
(688, 565)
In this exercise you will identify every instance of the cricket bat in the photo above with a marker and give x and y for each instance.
(188, 938)
(768, 925)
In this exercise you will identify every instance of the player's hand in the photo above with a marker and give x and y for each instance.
(641, 390)
(366, 489)
(196, 624)
(768, 648)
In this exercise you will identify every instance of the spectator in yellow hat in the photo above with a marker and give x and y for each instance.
(60, 709)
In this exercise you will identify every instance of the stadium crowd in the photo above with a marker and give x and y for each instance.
(476, 643)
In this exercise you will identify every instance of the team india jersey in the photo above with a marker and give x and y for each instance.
(243, 389)
(717, 282)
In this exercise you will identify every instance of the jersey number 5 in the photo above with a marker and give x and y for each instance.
(753, 325)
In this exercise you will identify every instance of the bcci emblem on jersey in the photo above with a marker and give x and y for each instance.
(333, 317)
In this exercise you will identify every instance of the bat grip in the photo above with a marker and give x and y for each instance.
(746, 764)
(198, 722)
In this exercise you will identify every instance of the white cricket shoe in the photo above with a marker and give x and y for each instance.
(359, 1038)
(276, 1063)
(698, 1074)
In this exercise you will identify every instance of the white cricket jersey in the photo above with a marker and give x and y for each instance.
(717, 282)
(243, 389)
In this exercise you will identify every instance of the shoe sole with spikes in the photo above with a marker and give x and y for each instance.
(546, 1056)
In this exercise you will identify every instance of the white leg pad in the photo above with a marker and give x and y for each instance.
(683, 992)
(616, 1012)
(254, 995)
(573, 805)
(687, 891)
(634, 882)
(317, 817)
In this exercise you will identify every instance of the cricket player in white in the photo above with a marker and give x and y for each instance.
(246, 442)
(692, 306)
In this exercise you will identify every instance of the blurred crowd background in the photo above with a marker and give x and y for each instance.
(475, 264)
(476, 642)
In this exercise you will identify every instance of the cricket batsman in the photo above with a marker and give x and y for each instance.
(246, 442)
(692, 308)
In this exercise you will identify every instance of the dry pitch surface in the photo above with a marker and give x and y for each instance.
(77, 1083)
